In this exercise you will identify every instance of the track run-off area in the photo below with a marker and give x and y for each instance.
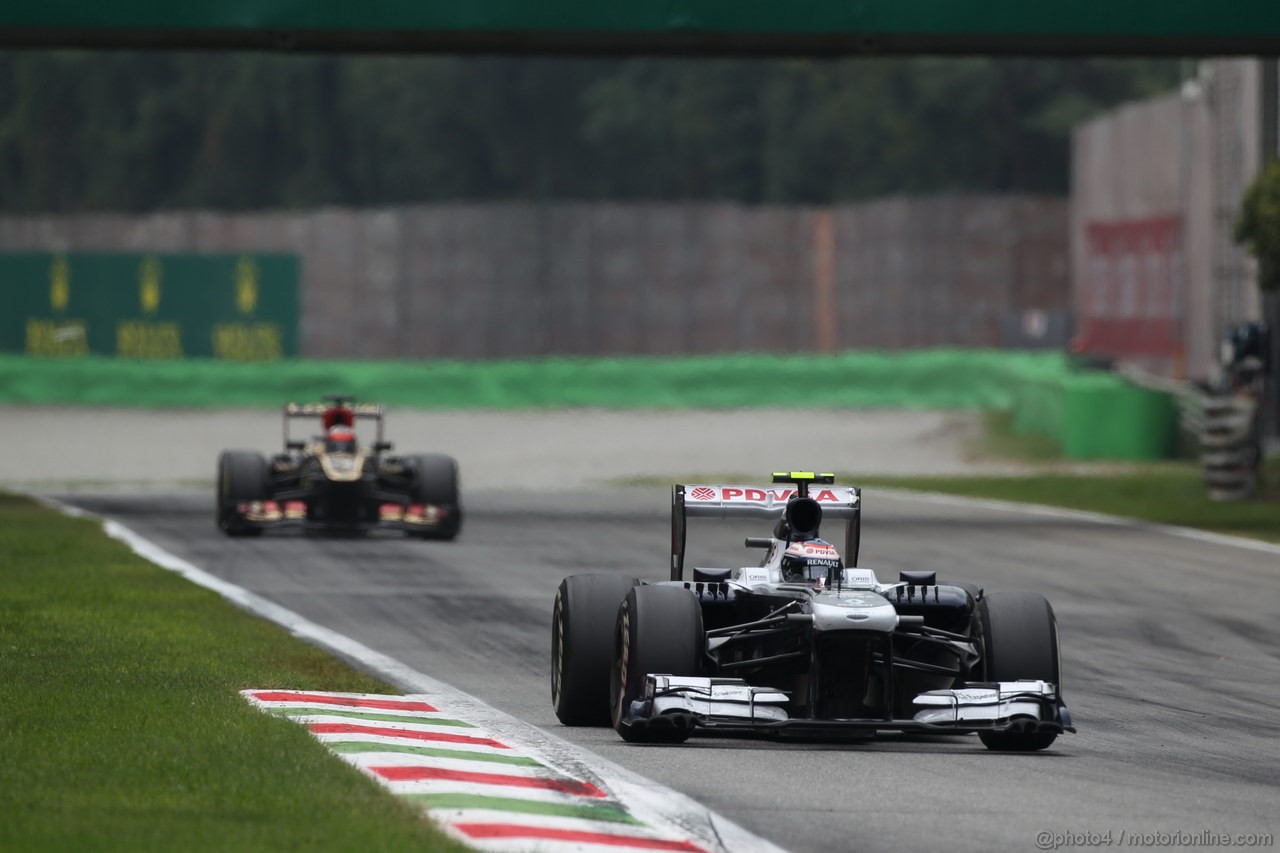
(1169, 641)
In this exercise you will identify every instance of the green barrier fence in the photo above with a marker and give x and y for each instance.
(1092, 415)
(1106, 417)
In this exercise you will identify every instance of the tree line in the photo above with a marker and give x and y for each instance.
(145, 131)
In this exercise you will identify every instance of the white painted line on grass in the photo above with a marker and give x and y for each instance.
(650, 803)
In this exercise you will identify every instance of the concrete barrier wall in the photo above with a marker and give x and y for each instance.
(514, 279)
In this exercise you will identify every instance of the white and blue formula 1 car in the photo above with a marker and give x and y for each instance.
(802, 642)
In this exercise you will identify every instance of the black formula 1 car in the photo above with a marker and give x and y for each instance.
(802, 643)
(334, 483)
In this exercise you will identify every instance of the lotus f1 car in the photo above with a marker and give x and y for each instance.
(333, 483)
(802, 642)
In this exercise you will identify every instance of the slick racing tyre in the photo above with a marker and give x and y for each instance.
(242, 476)
(582, 623)
(1020, 641)
(435, 482)
(659, 631)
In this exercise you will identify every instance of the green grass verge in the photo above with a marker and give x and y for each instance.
(1168, 493)
(1000, 439)
(123, 726)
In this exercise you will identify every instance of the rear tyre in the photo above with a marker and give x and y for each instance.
(242, 476)
(1020, 640)
(582, 625)
(973, 589)
(435, 482)
(659, 630)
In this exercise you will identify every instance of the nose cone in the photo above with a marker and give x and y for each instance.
(853, 611)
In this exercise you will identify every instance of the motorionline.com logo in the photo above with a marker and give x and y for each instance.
(1046, 840)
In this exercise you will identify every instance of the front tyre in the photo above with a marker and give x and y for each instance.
(658, 631)
(582, 624)
(435, 482)
(1020, 641)
(242, 476)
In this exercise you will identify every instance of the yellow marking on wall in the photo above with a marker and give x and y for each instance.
(60, 284)
(57, 337)
(247, 341)
(246, 285)
(148, 340)
(149, 285)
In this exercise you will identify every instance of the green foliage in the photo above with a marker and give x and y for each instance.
(1257, 228)
(918, 379)
(93, 131)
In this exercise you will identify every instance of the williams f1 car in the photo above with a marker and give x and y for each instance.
(333, 483)
(802, 643)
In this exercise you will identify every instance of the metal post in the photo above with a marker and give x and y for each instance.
(824, 277)
(1270, 106)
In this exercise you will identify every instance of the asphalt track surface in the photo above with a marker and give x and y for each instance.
(66, 447)
(1170, 646)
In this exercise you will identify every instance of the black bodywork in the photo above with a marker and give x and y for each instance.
(341, 506)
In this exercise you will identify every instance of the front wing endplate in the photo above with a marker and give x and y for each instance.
(731, 703)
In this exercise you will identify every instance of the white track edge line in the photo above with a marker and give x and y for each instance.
(647, 799)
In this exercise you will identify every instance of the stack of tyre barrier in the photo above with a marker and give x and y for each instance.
(1230, 446)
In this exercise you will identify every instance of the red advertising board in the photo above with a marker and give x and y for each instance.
(1131, 303)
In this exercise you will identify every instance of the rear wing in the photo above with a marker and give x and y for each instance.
(315, 410)
(714, 500)
(360, 411)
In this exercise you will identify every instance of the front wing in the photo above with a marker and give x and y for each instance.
(670, 701)
(409, 518)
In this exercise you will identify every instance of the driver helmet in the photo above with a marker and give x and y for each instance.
(340, 439)
(809, 561)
